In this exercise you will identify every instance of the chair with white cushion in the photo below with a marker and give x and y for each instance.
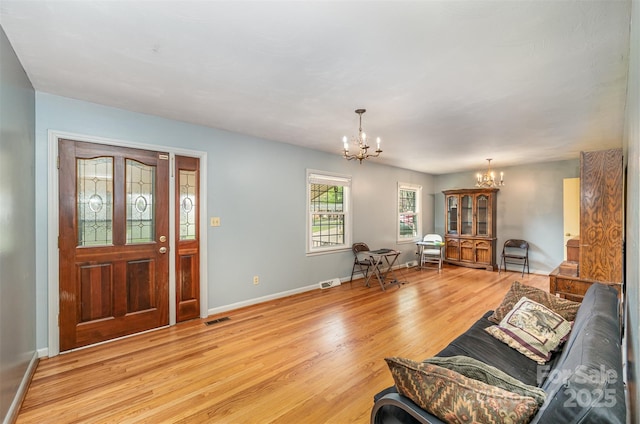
(431, 250)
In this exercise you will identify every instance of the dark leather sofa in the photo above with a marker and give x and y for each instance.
(583, 382)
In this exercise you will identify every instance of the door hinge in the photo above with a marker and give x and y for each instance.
(58, 162)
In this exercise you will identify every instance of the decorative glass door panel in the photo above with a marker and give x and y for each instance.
(140, 186)
(482, 220)
(188, 202)
(466, 215)
(95, 201)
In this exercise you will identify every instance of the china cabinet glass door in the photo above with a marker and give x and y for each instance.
(466, 214)
(482, 221)
(452, 215)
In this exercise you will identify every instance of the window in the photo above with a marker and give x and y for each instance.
(328, 212)
(409, 220)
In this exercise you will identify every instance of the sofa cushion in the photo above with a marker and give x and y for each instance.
(566, 308)
(532, 329)
(492, 376)
(455, 398)
(478, 344)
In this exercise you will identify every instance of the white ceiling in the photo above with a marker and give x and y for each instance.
(446, 84)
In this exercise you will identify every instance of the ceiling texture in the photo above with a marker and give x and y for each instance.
(446, 84)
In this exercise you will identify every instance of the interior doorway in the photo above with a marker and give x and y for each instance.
(571, 210)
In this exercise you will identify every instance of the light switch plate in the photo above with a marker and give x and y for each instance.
(215, 221)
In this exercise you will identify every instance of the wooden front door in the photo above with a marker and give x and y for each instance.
(113, 242)
(187, 238)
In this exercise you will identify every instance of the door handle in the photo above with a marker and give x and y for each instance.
(163, 250)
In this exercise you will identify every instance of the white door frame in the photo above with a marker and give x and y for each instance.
(53, 269)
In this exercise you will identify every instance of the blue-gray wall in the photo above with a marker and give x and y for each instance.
(257, 188)
(17, 235)
(529, 207)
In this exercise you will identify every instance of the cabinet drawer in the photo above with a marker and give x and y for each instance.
(575, 287)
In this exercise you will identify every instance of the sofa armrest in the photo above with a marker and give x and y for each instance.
(394, 408)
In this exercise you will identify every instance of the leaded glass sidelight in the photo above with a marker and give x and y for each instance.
(140, 190)
(188, 204)
(94, 182)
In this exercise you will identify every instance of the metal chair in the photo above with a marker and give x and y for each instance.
(363, 264)
(515, 251)
(431, 250)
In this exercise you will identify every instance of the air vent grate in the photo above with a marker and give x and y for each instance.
(215, 321)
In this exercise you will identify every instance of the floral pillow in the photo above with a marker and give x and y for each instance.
(566, 308)
(532, 329)
(455, 398)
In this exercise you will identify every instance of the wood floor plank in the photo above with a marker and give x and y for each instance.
(316, 357)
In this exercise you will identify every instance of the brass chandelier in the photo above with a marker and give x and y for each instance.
(488, 179)
(361, 144)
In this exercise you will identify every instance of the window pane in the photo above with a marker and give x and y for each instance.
(408, 219)
(327, 229)
(95, 201)
(187, 205)
(408, 227)
(140, 183)
(327, 217)
(407, 201)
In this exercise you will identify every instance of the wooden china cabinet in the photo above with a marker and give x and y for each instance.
(470, 232)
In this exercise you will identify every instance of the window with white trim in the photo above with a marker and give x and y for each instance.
(328, 212)
(409, 215)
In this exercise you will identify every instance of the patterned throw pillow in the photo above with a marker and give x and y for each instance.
(566, 308)
(455, 398)
(478, 370)
(532, 329)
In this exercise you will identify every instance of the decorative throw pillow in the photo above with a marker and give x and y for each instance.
(455, 398)
(532, 329)
(478, 370)
(566, 308)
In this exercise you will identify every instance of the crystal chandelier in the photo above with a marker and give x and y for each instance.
(361, 144)
(488, 179)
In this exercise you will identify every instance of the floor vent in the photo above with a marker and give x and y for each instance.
(215, 321)
(329, 283)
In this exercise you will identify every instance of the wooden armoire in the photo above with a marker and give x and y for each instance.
(601, 226)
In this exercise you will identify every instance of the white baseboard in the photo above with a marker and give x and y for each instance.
(14, 408)
(255, 301)
(43, 353)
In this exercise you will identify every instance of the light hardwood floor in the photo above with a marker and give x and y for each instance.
(316, 357)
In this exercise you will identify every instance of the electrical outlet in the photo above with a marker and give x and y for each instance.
(256, 280)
